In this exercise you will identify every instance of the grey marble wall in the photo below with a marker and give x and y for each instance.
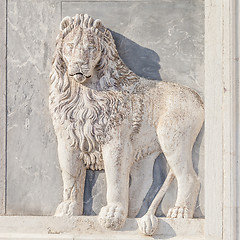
(161, 40)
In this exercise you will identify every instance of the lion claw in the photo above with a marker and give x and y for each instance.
(112, 216)
(148, 224)
(179, 212)
(68, 208)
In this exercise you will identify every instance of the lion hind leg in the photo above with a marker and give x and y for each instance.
(176, 143)
(188, 185)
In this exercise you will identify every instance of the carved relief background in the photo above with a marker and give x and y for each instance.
(156, 39)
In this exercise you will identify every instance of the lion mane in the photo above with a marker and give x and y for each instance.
(86, 115)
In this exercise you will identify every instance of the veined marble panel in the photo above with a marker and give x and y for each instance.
(156, 39)
(33, 177)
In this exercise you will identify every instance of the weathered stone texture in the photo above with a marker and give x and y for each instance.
(33, 178)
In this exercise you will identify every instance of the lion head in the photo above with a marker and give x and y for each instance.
(82, 46)
(85, 47)
(86, 52)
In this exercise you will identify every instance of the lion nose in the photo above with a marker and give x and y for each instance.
(73, 68)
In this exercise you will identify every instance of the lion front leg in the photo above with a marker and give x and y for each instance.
(73, 176)
(117, 162)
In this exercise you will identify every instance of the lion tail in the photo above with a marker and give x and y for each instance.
(158, 198)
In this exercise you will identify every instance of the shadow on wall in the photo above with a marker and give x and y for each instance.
(159, 175)
(91, 178)
(142, 61)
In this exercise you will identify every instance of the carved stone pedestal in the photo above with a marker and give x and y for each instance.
(87, 228)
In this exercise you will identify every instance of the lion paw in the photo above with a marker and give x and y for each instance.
(179, 212)
(148, 224)
(112, 216)
(68, 208)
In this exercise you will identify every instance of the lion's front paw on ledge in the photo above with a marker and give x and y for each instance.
(68, 208)
(112, 216)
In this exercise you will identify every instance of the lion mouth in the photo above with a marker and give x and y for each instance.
(80, 77)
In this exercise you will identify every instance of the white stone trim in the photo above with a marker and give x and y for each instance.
(85, 227)
(3, 119)
(231, 119)
(221, 125)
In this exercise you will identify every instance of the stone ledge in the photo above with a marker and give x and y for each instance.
(20, 236)
(87, 228)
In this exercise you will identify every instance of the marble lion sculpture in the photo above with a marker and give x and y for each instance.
(107, 117)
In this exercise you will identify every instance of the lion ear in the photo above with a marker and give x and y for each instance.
(98, 24)
(65, 23)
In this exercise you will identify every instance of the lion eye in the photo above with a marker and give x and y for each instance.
(69, 47)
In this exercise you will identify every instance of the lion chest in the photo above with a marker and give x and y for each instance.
(87, 120)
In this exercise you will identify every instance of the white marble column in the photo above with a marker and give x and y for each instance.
(222, 119)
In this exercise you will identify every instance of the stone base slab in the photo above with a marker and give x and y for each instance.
(19, 236)
(87, 228)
